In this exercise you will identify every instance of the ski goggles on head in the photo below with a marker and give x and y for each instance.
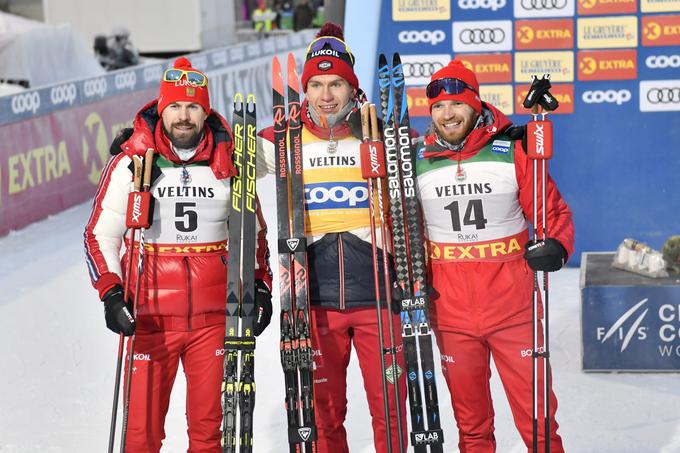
(193, 77)
(331, 41)
(450, 86)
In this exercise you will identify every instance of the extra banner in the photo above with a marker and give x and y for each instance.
(615, 70)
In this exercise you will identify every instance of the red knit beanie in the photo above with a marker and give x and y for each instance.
(456, 70)
(328, 54)
(183, 90)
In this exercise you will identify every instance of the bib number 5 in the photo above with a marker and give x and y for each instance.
(186, 217)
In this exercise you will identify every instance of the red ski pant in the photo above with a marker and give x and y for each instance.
(334, 332)
(156, 359)
(466, 367)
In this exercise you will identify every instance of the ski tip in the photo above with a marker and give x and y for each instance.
(396, 58)
(382, 60)
(238, 99)
(277, 77)
(293, 79)
(251, 98)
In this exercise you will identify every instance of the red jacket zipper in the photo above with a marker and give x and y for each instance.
(186, 265)
(341, 265)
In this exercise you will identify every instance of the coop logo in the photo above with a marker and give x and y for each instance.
(617, 97)
(493, 5)
(153, 73)
(336, 195)
(95, 87)
(126, 80)
(625, 331)
(543, 8)
(662, 61)
(493, 35)
(63, 94)
(26, 102)
(661, 30)
(432, 37)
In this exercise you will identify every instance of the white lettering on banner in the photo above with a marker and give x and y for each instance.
(626, 335)
(268, 46)
(63, 94)
(433, 37)
(95, 87)
(254, 50)
(25, 102)
(126, 80)
(153, 73)
(338, 194)
(237, 53)
(663, 61)
(610, 96)
(219, 58)
(199, 62)
(493, 5)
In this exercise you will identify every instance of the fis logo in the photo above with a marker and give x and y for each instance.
(336, 195)
(624, 331)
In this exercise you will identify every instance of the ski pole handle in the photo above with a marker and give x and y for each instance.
(364, 121)
(148, 161)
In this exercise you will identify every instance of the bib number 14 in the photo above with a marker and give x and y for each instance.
(474, 215)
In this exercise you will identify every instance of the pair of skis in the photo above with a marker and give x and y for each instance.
(238, 382)
(408, 252)
(296, 346)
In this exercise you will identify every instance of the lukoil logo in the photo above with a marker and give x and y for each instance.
(26, 102)
(634, 330)
(63, 94)
(433, 37)
(95, 87)
(493, 5)
(663, 61)
(609, 96)
(336, 195)
(127, 79)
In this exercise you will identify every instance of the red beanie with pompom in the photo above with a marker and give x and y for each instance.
(328, 54)
(456, 70)
(183, 90)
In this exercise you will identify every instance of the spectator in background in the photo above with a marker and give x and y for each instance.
(115, 51)
(263, 19)
(303, 15)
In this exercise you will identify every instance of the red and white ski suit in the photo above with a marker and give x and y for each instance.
(476, 203)
(181, 306)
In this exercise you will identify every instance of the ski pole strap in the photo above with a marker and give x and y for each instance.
(237, 343)
(539, 94)
(292, 245)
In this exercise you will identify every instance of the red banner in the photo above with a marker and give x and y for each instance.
(52, 162)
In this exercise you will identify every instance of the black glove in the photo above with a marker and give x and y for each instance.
(547, 256)
(397, 296)
(263, 307)
(117, 313)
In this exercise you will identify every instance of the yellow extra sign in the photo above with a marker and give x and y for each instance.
(659, 6)
(607, 32)
(405, 10)
(559, 64)
(500, 96)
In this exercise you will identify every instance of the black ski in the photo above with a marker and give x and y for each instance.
(238, 385)
(409, 259)
(296, 348)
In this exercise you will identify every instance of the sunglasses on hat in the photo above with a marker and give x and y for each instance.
(333, 42)
(193, 77)
(450, 86)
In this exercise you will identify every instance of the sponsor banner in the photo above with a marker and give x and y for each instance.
(543, 8)
(486, 6)
(659, 6)
(659, 95)
(544, 34)
(482, 36)
(613, 97)
(500, 96)
(404, 10)
(418, 69)
(587, 7)
(661, 30)
(430, 37)
(489, 68)
(607, 64)
(563, 92)
(417, 102)
(630, 327)
(668, 59)
(560, 65)
(607, 32)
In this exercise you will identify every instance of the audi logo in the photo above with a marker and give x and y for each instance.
(433, 37)
(26, 102)
(493, 5)
(544, 4)
(481, 35)
(416, 69)
(127, 79)
(665, 95)
(153, 73)
(663, 61)
(63, 94)
(95, 87)
(609, 96)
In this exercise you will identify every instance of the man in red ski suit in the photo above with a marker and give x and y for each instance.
(475, 187)
(342, 291)
(181, 305)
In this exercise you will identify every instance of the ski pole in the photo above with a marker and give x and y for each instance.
(144, 201)
(137, 183)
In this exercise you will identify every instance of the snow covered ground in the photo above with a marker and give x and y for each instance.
(58, 362)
